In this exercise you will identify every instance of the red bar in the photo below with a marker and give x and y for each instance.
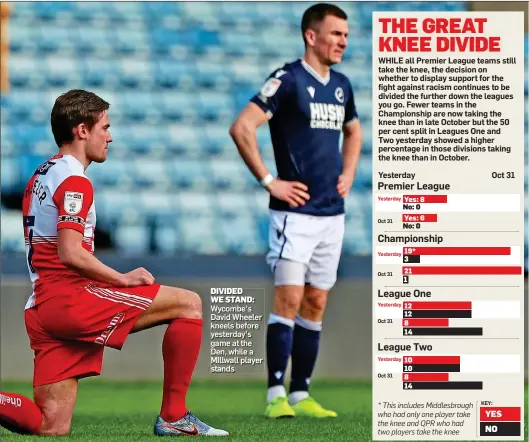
(425, 322)
(431, 360)
(499, 414)
(419, 218)
(424, 199)
(414, 377)
(438, 305)
(456, 250)
(463, 270)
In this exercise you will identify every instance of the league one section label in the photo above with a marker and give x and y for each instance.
(448, 226)
(237, 330)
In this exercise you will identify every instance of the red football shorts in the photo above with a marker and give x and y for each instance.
(68, 333)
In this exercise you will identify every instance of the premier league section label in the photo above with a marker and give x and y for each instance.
(237, 330)
(448, 226)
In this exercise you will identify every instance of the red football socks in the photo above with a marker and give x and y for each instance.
(180, 349)
(19, 414)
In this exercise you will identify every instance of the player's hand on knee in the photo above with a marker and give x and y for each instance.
(138, 277)
(292, 192)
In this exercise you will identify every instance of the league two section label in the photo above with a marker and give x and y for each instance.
(237, 330)
(448, 226)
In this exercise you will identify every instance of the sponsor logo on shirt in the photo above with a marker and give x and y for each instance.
(326, 116)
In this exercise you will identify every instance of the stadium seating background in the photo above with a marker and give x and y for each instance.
(176, 74)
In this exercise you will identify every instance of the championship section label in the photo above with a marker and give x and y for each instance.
(448, 226)
(237, 330)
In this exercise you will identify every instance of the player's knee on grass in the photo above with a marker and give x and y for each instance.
(56, 402)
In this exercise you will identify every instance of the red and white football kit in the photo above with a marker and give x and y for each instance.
(69, 318)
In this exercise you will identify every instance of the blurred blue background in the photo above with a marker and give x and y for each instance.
(176, 75)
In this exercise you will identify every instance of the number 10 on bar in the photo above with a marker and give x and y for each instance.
(448, 227)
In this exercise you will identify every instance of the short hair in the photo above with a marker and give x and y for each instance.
(317, 13)
(73, 108)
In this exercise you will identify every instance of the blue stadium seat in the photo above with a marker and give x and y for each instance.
(364, 173)
(239, 235)
(234, 14)
(216, 140)
(232, 205)
(215, 106)
(113, 173)
(61, 72)
(92, 41)
(259, 203)
(12, 234)
(200, 12)
(164, 41)
(113, 205)
(211, 75)
(138, 107)
(195, 205)
(125, 12)
(11, 181)
(230, 174)
(283, 45)
(157, 207)
(176, 106)
(150, 174)
(98, 73)
(24, 72)
(129, 41)
(156, 11)
(89, 12)
(356, 239)
(136, 74)
(182, 139)
(189, 174)
(23, 106)
(170, 74)
(22, 40)
(132, 239)
(238, 44)
(52, 39)
(274, 13)
(168, 240)
(25, 137)
(199, 235)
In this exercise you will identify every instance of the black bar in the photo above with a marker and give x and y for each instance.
(411, 259)
(451, 385)
(431, 368)
(443, 331)
(500, 428)
(437, 313)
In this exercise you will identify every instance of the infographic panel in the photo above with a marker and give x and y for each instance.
(448, 226)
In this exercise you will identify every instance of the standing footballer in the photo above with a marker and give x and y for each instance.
(308, 106)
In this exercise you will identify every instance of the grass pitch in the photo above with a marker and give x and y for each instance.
(125, 411)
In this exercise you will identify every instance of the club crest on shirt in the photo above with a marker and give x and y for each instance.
(73, 202)
(338, 94)
(270, 87)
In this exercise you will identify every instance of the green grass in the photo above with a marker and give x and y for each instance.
(125, 411)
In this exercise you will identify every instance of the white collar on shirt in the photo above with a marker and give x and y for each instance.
(317, 76)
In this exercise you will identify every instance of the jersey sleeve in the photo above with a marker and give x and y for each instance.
(73, 199)
(350, 107)
(276, 91)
